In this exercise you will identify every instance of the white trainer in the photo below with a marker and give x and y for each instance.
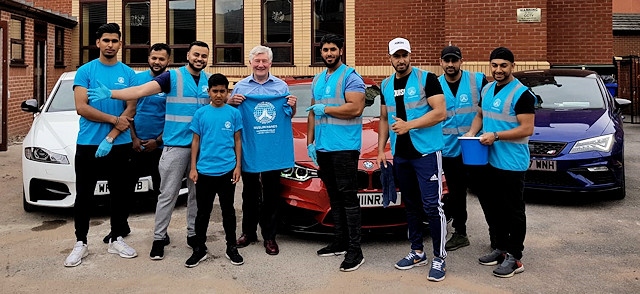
(121, 248)
(75, 257)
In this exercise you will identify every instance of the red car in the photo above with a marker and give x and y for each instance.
(307, 206)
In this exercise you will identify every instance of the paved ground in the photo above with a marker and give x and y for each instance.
(576, 245)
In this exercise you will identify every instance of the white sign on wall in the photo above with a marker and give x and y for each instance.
(529, 15)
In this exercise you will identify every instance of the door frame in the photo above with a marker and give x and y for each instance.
(4, 26)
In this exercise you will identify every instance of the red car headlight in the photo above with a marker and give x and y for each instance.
(299, 173)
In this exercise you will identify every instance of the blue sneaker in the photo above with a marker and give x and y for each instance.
(411, 260)
(437, 271)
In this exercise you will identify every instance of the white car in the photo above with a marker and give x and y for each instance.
(48, 172)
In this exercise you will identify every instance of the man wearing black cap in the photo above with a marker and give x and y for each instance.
(461, 90)
(506, 119)
(411, 111)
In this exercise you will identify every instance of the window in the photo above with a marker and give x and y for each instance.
(137, 32)
(181, 28)
(327, 17)
(92, 16)
(277, 29)
(59, 47)
(229, 32)
(16, 34)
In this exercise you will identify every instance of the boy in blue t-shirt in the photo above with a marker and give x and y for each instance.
(215, 167)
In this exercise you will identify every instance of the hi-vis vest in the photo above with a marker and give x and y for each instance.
(461, 109)
(498, 114)
(425, 140)
(182, 102)
(335, 134)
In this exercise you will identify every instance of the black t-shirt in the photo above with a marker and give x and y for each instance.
(526, 103)
(164, 80)
(404, 146)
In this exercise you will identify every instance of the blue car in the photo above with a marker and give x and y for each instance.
(578, 141)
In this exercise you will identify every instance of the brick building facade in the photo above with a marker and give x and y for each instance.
(567, 34)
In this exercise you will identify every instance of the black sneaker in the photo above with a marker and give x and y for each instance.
(106, 238)
(352, 261)
(496, 256)
(191, 242)
(233, 255)
(199, 254)
(456, 241)
(157, 250)
(332, 249)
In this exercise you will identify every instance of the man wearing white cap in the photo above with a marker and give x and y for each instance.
(412, 109)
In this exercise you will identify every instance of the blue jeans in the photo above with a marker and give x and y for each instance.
(420, 181)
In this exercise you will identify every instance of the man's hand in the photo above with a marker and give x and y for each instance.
(137, 144)
(382, 159)
(104, 148)
(193, 175)
(400, 127)
(123, 123)
(311, 151)
(236, 99)
(99, 93)
(318, 109)
(236, 175)
(149, 145)
(292, 100)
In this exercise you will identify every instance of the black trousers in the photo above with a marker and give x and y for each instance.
(455, 202)
(115, 167)
(206, 189)
(261, 203)
(502, 201)
(145, 164)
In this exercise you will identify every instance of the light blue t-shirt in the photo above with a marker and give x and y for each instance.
(216, 127)
(267, 138)
(114, 77)
(150, 111)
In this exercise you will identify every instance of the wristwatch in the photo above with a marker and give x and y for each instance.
(495, 136)
(109, 140)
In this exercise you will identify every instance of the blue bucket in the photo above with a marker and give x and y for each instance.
(473, 153)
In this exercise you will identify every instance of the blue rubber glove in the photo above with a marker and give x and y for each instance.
(99, 93)
(318, 109)
(311, 151)
(288, 111)
(104, 148)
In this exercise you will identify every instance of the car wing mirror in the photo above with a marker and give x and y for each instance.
(622, 103)
(30, 105)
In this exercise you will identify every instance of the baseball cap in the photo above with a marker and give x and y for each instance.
(399, 44)
(451, 51)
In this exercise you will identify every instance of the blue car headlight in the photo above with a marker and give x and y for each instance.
(299, 173)
(43, 155)
(600, 143)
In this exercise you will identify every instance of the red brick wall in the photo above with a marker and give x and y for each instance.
(379, 21)
(626, 45)
(580, 31)
(62, 6)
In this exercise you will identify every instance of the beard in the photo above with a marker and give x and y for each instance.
(454, 74)
(192, 66)
(157, 72)
(402, 71)
(334, 63)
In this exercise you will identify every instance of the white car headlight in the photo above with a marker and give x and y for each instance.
(43, 155)
(299, 173)
(600, 143)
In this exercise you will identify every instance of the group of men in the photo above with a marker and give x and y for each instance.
(188, 123)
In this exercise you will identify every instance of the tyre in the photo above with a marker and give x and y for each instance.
(26, 205)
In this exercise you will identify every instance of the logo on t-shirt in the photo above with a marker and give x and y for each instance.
(227, 125)
(120, 80)
(264, 112)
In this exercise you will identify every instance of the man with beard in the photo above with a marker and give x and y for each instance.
(334, 139)
(506, 118)
(411, 113)
(261, 164)
(461, 91)
(146, 133)
(103, 144)
(186, 91)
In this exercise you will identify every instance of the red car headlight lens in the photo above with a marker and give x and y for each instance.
(299, 173)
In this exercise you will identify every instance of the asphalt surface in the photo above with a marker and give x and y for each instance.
(575, 244)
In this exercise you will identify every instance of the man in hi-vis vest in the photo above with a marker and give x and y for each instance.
(411, 111)
(506, 120)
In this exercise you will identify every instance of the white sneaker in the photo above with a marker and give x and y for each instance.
(121, 248)
(75, 257)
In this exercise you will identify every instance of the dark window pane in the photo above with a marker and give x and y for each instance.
(281, 54)
(277, 21)
(90, 54)
(137, 27)
(229, 55)
(179, 55)
(328, 18)
(229, 26)
(136, 55)
(95, 15)
(182, 22)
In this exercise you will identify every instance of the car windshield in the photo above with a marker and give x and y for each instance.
(303, 92)
(565, 92)
(63, 98)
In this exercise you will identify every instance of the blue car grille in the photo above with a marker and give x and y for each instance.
(546, 149)
(582, 177)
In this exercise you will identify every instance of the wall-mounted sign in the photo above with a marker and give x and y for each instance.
(529, 15)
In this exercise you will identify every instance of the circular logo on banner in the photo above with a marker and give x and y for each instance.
(464, 98)
(411, 91)
(264, 112)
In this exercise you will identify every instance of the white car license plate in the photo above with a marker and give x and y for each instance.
(374, 200)
(543, 165)
(102, 187)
